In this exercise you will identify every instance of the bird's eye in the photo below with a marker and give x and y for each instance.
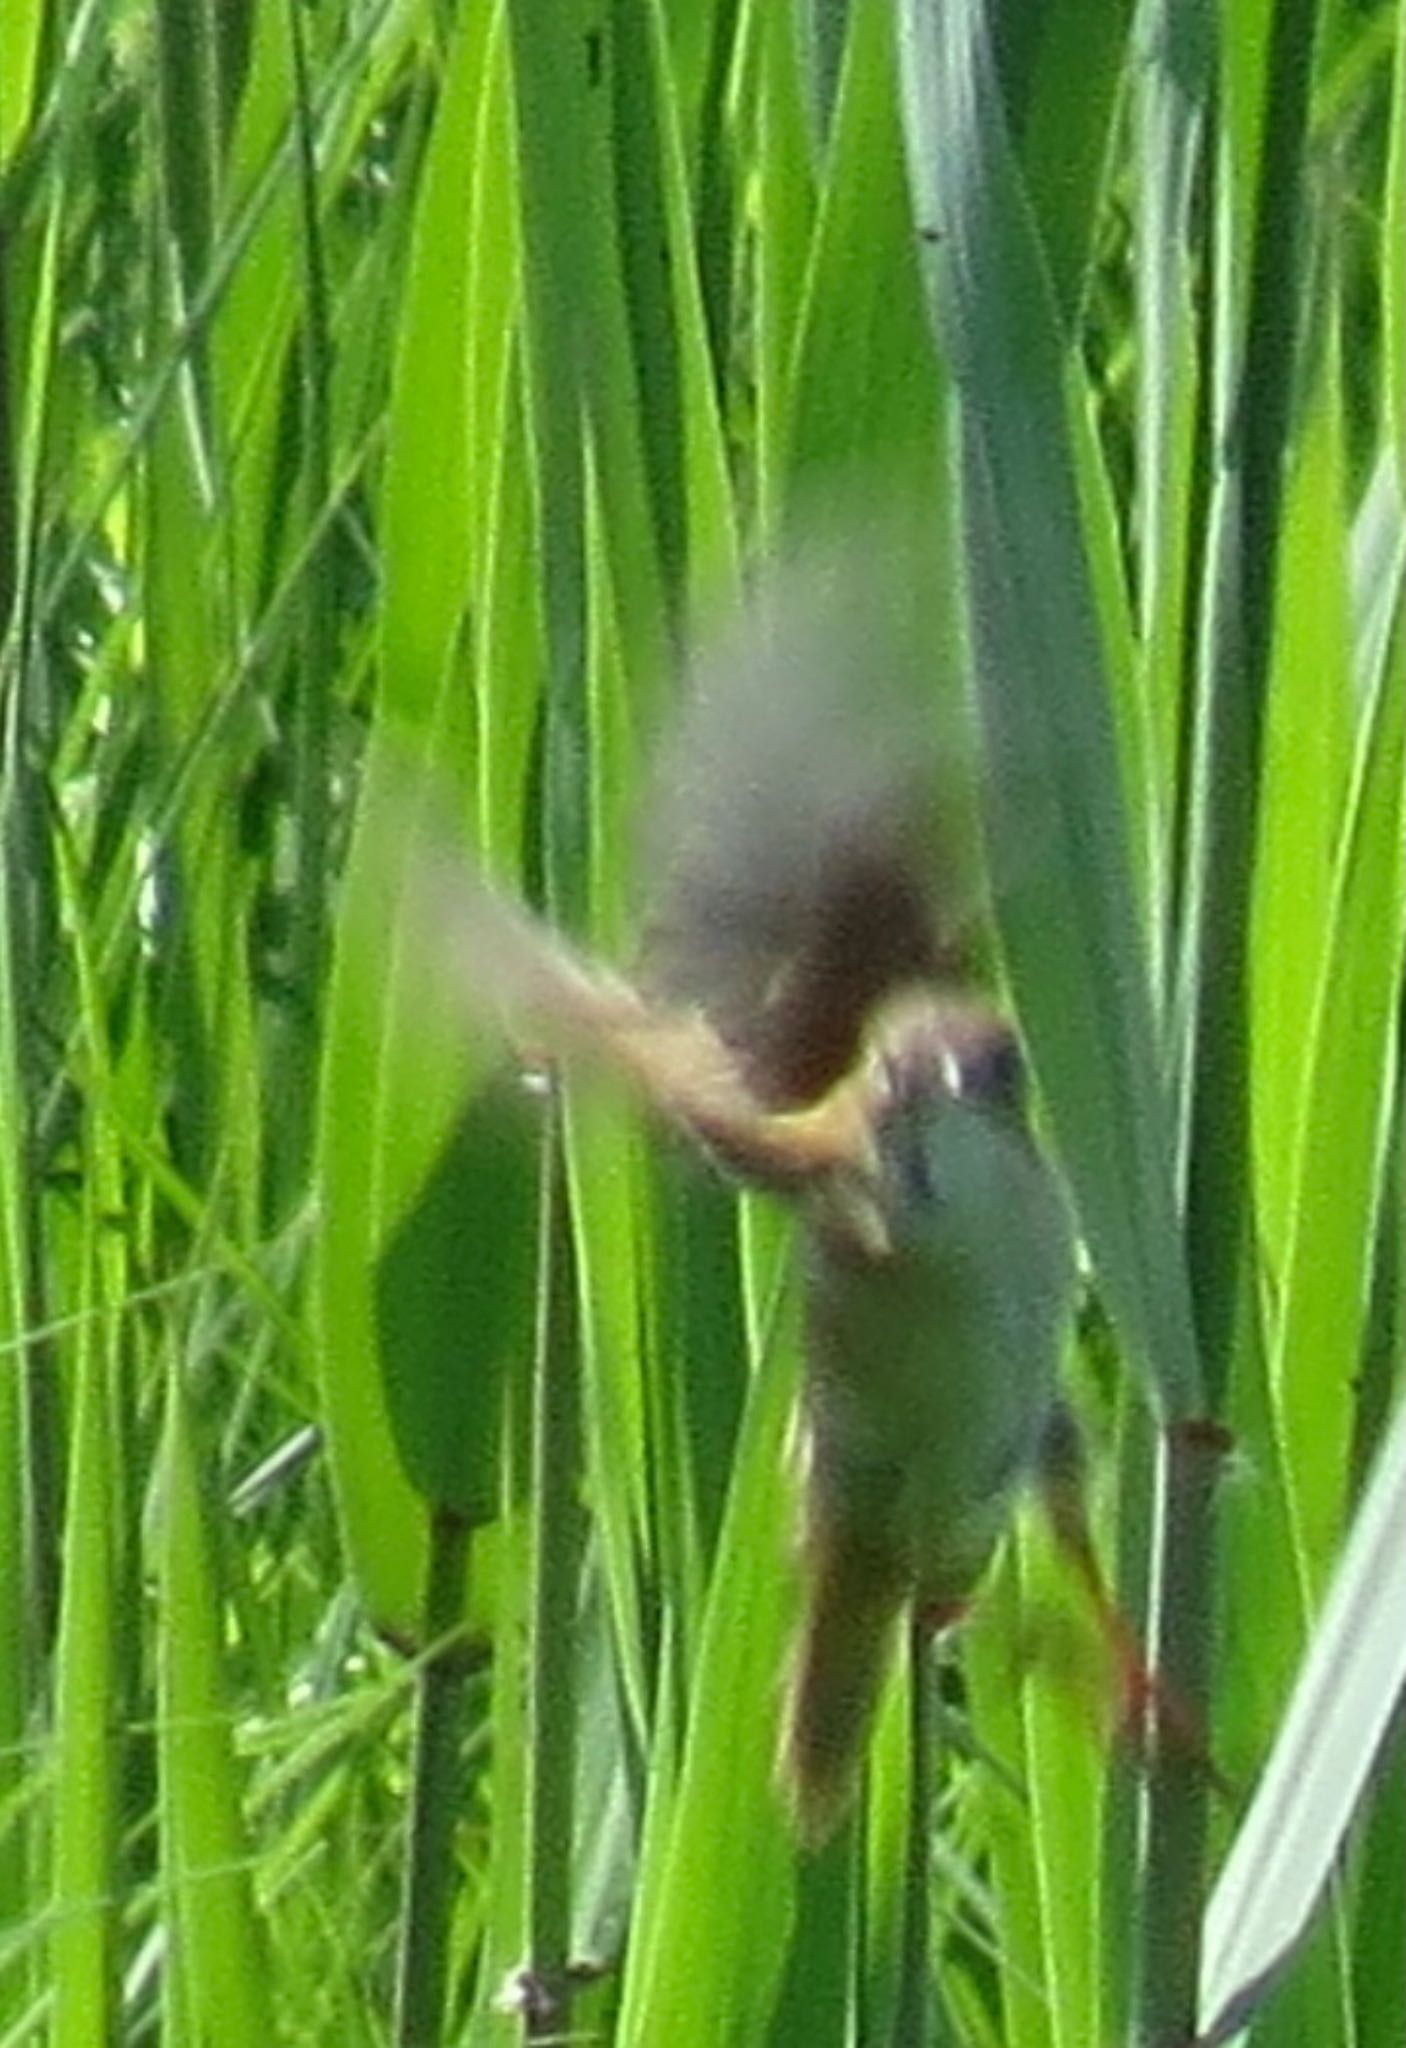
(991, 1071)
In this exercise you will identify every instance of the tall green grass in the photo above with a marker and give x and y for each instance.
(395, 1525)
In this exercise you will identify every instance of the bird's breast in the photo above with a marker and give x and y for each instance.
(933, 1365)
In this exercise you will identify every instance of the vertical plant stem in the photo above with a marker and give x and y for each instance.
(552, 1708)
(27, 936)
(912, 2010)
(1170, 1902)
(291, 1129)
(19, 1647)
(1135, 1522)
(429, 1876)
(28, 1450)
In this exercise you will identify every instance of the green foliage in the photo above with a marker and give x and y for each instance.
(396, 1528)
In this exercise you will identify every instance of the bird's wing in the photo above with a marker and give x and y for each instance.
(506, 969)
(808, 841)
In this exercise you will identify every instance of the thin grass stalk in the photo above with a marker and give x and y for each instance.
(913, 2005)
(316, 656)
(27, 919)
(187, 67)
(555, 1578)
(714, 201)
(15, 576)
(423, 1962)
(1134, 1520)
(98, 1589)
(548, 120)
(1172, 1889)
(21, 1305)
(1172, 1884)
(216, 1981)
(83, 1949)
(1173, 53)
(16, 1608)
(30, 1423)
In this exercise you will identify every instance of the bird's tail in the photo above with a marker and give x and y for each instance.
(854, 1600)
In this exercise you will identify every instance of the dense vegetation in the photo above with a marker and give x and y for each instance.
(394, 1525)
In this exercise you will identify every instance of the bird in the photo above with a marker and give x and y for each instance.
(807, 1008)
(934, 1328)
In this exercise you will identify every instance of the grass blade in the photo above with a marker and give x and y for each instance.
(1351, 1685)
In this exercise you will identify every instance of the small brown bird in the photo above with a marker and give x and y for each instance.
(803, 1012)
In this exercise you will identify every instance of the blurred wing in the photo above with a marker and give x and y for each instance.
(506, 969)
(796, 830)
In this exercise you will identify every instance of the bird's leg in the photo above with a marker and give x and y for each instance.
(1151, 1709)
